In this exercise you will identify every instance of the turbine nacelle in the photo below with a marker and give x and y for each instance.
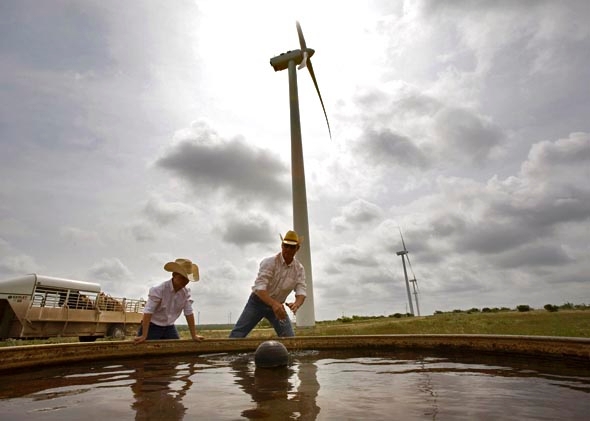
(301, 58)
(281, 62)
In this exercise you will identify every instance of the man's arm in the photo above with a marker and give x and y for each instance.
(277, 308)
(300, 291)
(145, 327)
(190, 320)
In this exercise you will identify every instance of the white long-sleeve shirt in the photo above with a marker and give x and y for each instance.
(165, 305)
(279, 278)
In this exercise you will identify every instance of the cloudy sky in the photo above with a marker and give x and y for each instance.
(133, 133)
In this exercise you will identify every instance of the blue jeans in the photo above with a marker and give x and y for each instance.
(253, 312)
(160, 332)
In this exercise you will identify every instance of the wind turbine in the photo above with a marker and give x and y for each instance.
(289, 60)
(404, 255)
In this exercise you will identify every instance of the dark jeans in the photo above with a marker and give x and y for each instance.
(160, 332)
(253, 312)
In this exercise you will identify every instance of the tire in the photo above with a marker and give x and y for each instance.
(116, 332)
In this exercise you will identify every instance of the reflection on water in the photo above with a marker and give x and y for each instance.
(279, 393)
(316, 385)
(159, 390)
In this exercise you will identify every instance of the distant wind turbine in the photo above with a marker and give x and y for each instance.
(404, 255)
(288, 60)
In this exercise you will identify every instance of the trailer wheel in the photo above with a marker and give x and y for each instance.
(87, 338)
(117, 332)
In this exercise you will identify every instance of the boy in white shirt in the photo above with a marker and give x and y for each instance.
(166, 301)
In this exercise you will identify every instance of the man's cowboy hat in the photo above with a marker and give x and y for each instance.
(184, 267)
(292, 238)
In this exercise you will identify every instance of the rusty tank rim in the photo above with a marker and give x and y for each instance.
(32, 356)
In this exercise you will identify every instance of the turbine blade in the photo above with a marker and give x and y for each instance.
(300, 34)
(311, 72)
(410, 265)
(411, 269)
(401, 235)
(304, 61)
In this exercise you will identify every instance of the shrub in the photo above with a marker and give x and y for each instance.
(345, 319)
(551, 308)
(398, 315)
(486, 310)
(473, 310)
(523, 307)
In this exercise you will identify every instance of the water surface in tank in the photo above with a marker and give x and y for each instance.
(322, 385)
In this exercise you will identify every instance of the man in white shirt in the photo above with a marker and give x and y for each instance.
(166, 301)
(278, 276)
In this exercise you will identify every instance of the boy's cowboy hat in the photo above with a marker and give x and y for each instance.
(292, 238)
(184, 267)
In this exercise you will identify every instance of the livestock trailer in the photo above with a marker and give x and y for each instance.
(35, 306)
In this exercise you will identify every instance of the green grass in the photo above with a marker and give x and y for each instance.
(568, 323)
(535, 323)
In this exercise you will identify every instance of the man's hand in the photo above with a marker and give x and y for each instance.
(198, 338)
(279, 311)
(139, 339)
(294, 307)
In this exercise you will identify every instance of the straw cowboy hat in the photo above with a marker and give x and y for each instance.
(292, 238)
(184, 267)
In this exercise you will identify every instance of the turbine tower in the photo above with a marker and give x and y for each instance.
(404, 255)
(289, 60)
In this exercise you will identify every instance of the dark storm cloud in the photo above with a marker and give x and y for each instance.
(494, 237)
(438, 130)
(239, 170)
(445, 225)
(464, 132)
(508, 225)
(345, 256)
(516, 214)
(384, 147)
(537, 256)
(571, 205)
(552, 187)
(252, 229)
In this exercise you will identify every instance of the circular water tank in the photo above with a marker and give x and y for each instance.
(271, 354)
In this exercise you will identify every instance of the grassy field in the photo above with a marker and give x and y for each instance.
(537, 323)
(572, 323)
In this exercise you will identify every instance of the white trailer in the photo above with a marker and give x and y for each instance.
(37, 306)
